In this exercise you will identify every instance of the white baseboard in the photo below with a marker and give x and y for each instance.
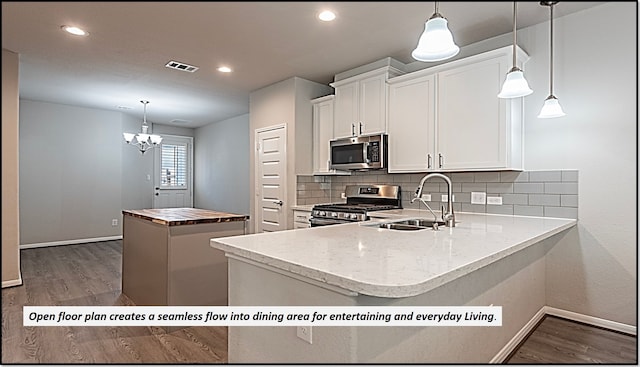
(591, 320)
(518, 338)
(12, 282)
(69, 242)
(546, 310)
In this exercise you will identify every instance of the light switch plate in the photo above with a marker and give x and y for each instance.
(444, 198)
(426, 197)
(479, 198)
(494, 200)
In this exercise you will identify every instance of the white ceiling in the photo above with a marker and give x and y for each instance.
(122, 61)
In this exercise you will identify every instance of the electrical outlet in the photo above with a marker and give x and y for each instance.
(114, 222)
(479, 198)
(445, 198)
(148, 177)
(426, 197)
(304, 333)
(494, 200)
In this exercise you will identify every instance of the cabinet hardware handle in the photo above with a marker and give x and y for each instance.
(353, 129)
(440, 160)
(429, 161)
(360, 129)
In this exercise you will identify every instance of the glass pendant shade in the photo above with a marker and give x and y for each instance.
(156, 139)
(128, 137)
(142, 138)
(436, 42)
(515, 85)
(551, 108)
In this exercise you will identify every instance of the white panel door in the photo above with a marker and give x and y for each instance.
(270, 180)
(173, 176)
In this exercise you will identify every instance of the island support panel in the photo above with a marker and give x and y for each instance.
(175, 265)
(516, 282)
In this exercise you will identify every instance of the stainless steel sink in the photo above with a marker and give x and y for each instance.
(408, 224)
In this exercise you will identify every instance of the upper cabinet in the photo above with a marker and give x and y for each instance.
(323, 113)
(361, 103)
(449, 118)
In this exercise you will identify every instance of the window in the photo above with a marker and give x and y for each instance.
(173, 167)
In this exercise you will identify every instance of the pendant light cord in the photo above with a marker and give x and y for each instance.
(514, 33)
(551, 51)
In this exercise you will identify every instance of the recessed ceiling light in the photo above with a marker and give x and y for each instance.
(74, 30)
(224, 69)
(327, 16)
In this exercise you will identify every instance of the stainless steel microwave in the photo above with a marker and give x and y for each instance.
(359, 152)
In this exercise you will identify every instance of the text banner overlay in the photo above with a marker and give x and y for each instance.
(261, 316)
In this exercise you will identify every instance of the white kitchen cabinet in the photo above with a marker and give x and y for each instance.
(361, 103)
(301, 219)
(470, 128)
(322, 134)
(412, 124)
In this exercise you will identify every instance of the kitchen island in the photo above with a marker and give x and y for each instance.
(167, 260)
(484, 260)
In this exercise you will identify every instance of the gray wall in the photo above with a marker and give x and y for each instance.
(221, 172)
(593, 273)
(70, 172)
(72, 187)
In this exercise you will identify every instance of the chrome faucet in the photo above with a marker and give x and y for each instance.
(449, 217)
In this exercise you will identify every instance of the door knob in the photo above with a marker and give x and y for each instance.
(278, 202)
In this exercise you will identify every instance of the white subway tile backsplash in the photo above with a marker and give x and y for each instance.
(528, 188)
(545, 176)
(487, 177)
(543, 199)
(532, 211)
(552, 193)
(561, 188)
(499, 188)
(518, 199)
(570, 176)
(569, 200)
(561, 212)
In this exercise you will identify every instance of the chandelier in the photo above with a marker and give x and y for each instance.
(144, 141)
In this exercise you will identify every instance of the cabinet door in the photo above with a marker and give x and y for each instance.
(471, 120)
(411, 125)
(322, 134)
(372, 105)
(346, 110)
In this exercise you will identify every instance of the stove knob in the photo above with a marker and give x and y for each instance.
(354, 216)
(335, 215)
(315, 213)
(322, 214)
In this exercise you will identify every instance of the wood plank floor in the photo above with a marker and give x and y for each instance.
(561, 341)
(85, 275)
(89, 274)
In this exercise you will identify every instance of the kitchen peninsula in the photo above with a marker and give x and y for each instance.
(486, 259)
(167, 260)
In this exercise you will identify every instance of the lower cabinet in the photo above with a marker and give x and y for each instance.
(301, 219)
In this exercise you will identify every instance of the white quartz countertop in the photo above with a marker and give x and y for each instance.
(306, 208)
(364, 259)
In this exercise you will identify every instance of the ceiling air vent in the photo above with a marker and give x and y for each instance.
(181, 66)
(179, 121)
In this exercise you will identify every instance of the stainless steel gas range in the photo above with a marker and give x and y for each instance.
(361, 200)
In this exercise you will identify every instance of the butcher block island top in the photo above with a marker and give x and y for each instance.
(184, 216)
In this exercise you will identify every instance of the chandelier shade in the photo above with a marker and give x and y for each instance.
(436, 42)
(143, 140)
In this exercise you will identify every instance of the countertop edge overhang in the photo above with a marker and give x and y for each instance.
(184, 216)
(353, 279)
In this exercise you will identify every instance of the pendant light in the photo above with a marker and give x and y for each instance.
(515, 85)
(551, 107)
(144, 141)
(436, 42)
